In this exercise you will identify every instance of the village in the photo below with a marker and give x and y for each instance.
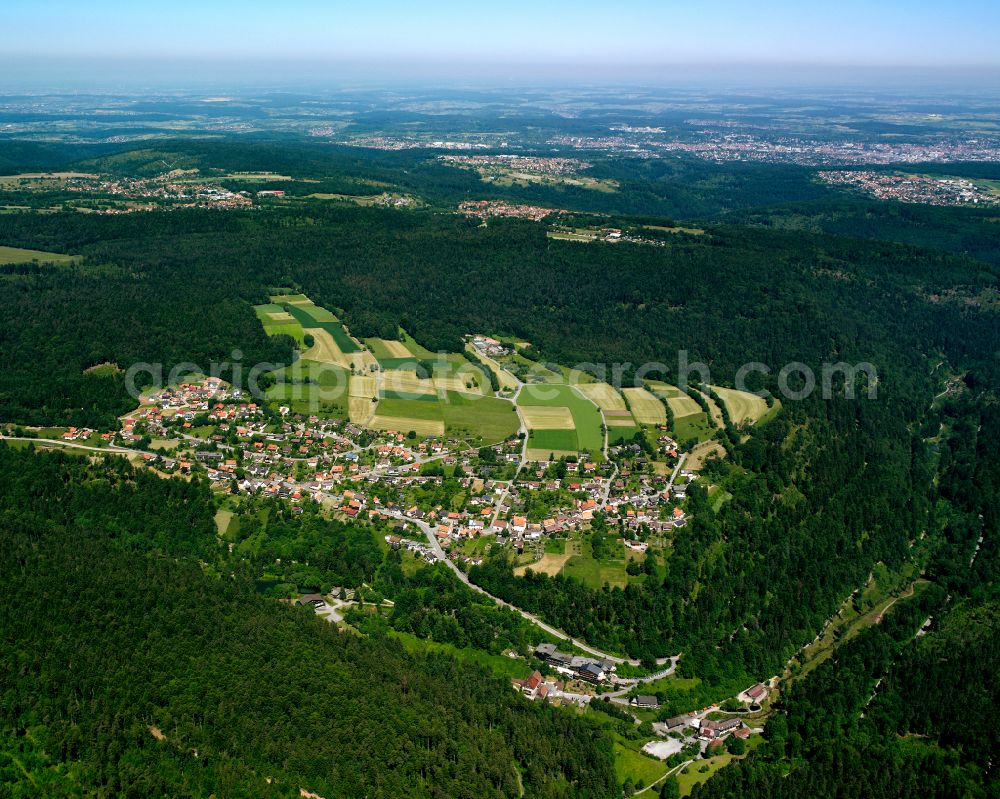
(367, 474)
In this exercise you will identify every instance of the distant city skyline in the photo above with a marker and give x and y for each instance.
(630, 39)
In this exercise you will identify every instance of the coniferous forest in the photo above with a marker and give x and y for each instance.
(139, 658)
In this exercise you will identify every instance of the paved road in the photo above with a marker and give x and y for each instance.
(436, 547)
(111, 449)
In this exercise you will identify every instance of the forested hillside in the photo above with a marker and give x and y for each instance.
(178, 287)
(128, 672)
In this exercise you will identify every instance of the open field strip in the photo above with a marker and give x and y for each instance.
(680, 403)
(550, 564)
(536, 455)
(324, 348)
(618, 419)
(603, 396)
(715, 410)
(464, 380)
(404, 381)
(361, 390)
(387, 348)
(45, 176)
(646, 407)
(16, 255)
(402, 424)
(542, 417)
(742, 405)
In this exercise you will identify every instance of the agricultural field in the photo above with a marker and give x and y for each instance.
(312, 316)
(680, 403)
(362, 391)
(297, 316)
(479, 420)
(312, 387)
(384, 349)
(616, 412)
(16, 255)
(548, 433)
(716, 411)
(690, 421)
(543, 417)
(447, 376)
(742, 405)
(403, 383)
(646, 407)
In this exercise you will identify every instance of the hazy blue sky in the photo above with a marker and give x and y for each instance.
(621, 33)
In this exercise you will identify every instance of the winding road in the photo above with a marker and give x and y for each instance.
(436, 547)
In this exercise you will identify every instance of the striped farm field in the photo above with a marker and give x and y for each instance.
(742, 405)
(619, 419)
(383, 348)
(587, 419)
(603, 396)
(324, 348)
(544, 417)
(680, 403)
(646, 407)
(312, 316)
(404, 424)
(359, 403)
(404, 381)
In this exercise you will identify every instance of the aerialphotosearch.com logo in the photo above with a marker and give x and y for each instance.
(315, 383)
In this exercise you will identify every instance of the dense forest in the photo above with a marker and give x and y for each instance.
(906, 708)
(126, 671)
(126, 615)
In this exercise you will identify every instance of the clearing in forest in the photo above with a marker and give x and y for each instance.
(550, 564)
(742, 405)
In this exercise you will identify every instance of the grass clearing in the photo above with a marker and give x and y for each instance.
(223, 519)
(702, 452)
(17, 255)
(742, 405)
(501, 665)
(550, 564)
(646, 407)
(595, 573)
